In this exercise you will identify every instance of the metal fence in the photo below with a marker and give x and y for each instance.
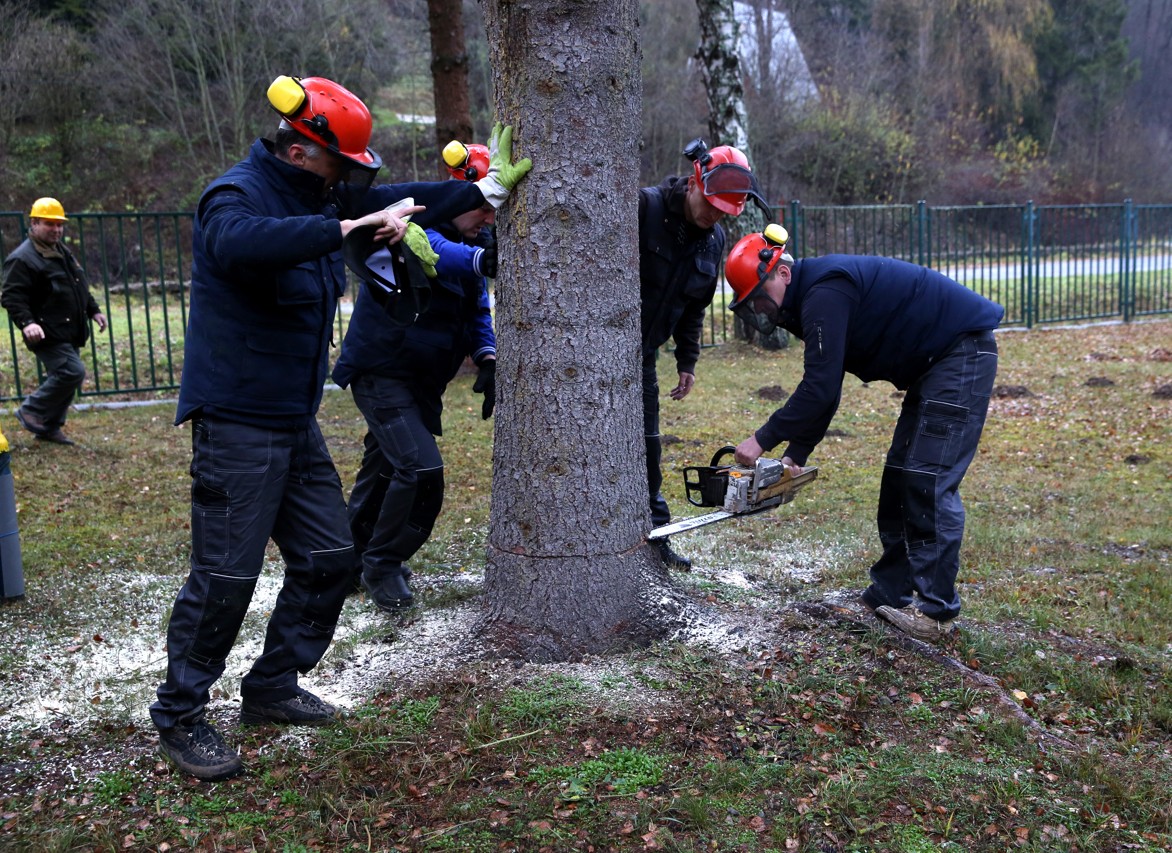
(1045, 264)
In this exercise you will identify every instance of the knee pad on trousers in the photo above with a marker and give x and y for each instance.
(331, 579)
(429, 500)
(226, 603)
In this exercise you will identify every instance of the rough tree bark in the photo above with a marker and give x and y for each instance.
(449, 75)
(728, 123)
(569, 572)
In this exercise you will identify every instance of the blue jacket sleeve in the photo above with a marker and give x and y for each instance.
(444, 200)
(458, 266)
(236, 234)
(457, 261)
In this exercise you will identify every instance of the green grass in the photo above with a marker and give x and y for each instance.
(817, 731)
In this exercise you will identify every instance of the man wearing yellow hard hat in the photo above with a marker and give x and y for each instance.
(46, 296)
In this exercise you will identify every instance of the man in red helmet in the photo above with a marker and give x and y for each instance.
(399, 374)
(882, 319)
(267, 271)
(680, 248)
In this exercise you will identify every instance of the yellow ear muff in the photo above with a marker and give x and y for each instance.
(455, 154)
(286, 95)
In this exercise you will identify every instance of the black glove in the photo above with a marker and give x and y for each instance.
(488, 259)
(486, 384)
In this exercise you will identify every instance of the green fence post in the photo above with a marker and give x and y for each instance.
(1029, 256)
(1127, 254)
(923, 234)
(795, 231)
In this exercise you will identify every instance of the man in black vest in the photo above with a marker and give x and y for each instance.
(680, 248)
(267, 272)
(46, 296)
(882, 319)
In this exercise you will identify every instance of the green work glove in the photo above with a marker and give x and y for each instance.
(416, 240)
(503, 173)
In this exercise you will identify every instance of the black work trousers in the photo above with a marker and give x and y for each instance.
(660, 513)
(250, 484)
(920, 516)
(399, 490)
(64, 373)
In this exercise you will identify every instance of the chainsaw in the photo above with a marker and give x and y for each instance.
(736, 489)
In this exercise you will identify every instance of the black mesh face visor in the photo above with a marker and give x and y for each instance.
(359, 178)
(729, 179)
(758, 311)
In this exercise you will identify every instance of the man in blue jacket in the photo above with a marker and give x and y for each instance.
(881, 318)
(398, 374)
(266, 276)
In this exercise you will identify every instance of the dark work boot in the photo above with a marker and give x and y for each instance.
(300, 709)
(199, 750)
(389, 593)
(670, 558)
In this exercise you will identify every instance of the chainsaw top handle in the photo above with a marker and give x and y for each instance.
(727, 450)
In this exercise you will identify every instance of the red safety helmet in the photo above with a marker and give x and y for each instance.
(328, 114)
(726, 178)
(753, 258)
(466, 162)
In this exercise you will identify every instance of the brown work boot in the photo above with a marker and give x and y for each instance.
(56, 436)
(32, 423)
(915, 624)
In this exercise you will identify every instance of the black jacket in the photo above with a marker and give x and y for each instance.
(426, 355)
(677, 272)
(50, 292)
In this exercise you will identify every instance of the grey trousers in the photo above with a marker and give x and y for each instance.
(64, 373)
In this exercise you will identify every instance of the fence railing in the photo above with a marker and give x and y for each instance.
(1045, 264)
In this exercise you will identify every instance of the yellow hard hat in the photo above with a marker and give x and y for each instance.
(47, 208)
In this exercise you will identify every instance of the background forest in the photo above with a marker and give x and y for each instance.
(116, 105)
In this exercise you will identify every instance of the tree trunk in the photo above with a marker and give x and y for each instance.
(449, 75)
(728, 123)
(569, 572)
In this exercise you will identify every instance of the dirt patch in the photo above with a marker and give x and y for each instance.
(1012, 391)
(1099, 382)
